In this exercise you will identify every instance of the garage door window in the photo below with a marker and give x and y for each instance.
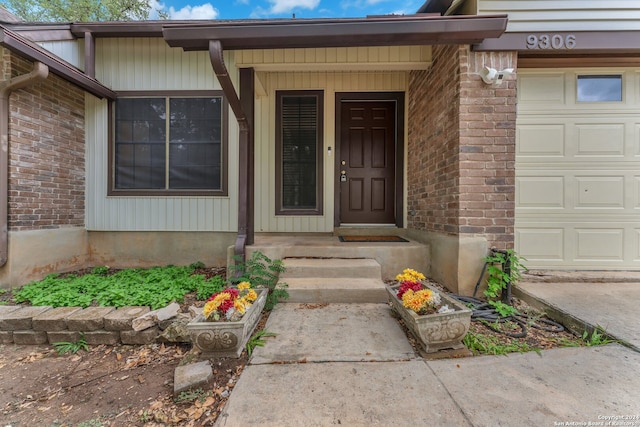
(600, 88)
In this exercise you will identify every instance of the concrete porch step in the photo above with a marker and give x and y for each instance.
(393, 257)
(331, 268)
(335, 290)
(333, 280)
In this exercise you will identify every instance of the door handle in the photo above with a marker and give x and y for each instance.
(343, 176)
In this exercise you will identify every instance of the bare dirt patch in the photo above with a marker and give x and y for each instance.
(108, 386)
(104, 386)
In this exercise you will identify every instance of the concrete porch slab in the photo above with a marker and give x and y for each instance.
(333, 332)
(348, 394)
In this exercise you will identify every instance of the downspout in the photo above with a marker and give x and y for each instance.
(39, 72)
(219, 68)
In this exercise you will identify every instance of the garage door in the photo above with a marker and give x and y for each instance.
(578, 169)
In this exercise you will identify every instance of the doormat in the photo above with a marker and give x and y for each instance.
(361, 239)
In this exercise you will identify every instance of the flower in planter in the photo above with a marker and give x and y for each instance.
(424, 301)
(229, 304)
(417, 297)
(410, 275)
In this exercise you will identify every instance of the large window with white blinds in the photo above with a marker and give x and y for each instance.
(299, 145)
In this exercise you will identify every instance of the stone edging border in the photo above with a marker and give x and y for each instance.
(34, 325)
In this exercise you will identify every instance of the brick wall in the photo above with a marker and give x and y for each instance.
(46, 153)
(5, 66)
(433, 135)
(487, 149)
(461, 162)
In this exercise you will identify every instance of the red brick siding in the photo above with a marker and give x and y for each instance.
(433, 134)
(461, 147)
(46, 153)
(487, 149)
(5, 70)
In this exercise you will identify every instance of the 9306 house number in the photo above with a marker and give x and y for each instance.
(551, 41)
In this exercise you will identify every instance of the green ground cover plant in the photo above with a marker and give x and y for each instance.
(155, 287)
(480, 343)
(192, 395)
(597, 337)
(65, 347)
(261, 271)
(258, 340)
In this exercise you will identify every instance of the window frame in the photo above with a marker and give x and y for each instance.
(224, 147)
(318, 210)
(584, 77)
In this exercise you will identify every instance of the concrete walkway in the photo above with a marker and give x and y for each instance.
(351, 364)
(611, 306)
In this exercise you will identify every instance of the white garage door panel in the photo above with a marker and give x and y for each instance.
(539, 244)
(544, 192)
(577, 173)
(583, 246)
(600, 139)
(541, 88)
(600, 192)
(541, 140)
(599, 244)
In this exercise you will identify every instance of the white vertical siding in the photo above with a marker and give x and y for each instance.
(331, 83)
(337, 58)
(149, 64)
(71, 51)
(565, 15)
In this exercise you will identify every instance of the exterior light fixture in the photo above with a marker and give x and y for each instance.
(492, 76)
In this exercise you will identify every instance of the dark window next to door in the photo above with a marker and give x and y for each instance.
(169, 145)
(299, 146)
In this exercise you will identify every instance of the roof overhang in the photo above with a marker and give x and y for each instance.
(371, 31)
(33, 52)
(564, 42)
(123, 28)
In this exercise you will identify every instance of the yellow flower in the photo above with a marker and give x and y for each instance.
(417, 301)
(239, 305)
(244, 285)
(251, 295)
(410, 275)
(220, 298)
(209, 308)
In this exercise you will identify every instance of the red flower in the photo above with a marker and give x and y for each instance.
(228, 302)
(226, 305)
(405, 286)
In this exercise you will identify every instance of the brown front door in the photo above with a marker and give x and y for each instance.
(367, 162)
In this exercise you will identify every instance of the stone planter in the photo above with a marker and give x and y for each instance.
(435, 331)
(226, 339)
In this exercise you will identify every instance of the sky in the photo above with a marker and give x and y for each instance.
(266, 9)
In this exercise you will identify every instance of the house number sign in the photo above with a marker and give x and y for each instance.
(551, 41)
